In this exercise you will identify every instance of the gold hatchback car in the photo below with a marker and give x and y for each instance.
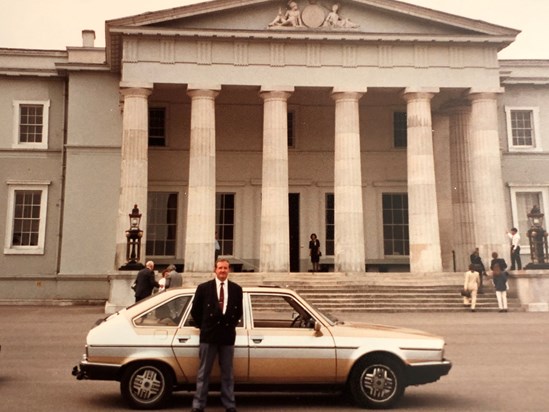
(282, 343)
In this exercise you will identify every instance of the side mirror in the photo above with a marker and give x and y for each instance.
(317, 328)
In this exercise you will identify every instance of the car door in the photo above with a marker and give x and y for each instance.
(186, 344)
(284, 346)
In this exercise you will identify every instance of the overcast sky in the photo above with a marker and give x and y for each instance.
(56, 24)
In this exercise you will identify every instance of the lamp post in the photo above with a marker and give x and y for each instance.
(133, 247)
(537, 236)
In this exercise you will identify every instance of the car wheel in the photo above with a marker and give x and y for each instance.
(377, 382)
(146, 386)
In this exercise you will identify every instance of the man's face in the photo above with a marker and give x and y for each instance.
(222, 270)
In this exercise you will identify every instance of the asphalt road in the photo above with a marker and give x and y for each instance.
(501, 363)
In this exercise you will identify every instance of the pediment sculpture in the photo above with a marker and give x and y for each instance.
(312, 16)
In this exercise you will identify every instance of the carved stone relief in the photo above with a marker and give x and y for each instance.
(312, 16)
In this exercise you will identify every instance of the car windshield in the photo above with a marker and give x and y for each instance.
(328, 317)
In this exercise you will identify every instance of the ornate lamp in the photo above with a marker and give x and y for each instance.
(133, 247)
(538, 240)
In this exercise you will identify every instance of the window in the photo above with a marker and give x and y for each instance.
(395, 224)
(330, 224)
(400, 129)
(224, 221)
(291, 129)
(161, 224)
(523, 128)
(157, 126)
(279, 311)
(167, 314)
(26, 220)
(31, 124)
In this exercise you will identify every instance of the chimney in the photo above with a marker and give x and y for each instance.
(88, 38)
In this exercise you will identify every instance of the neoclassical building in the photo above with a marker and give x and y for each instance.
(391, 131)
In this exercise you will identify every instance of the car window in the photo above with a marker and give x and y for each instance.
(279, 311)
(167, 314)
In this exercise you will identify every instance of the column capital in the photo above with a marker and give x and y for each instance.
(344, 94)
(266, 89)
(489, 93)
(135, 91)
(410, 93)
(275, 94)
(207, 93)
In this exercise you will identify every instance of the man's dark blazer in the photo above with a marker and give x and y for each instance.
(145, 282)
(216, 327)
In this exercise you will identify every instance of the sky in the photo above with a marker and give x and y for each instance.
(56, 24)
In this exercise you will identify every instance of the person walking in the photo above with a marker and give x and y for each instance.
(476, 261)
(216, 311)
(499, 277)
(174, 278)
(314, 252)
(145, 282)
(515, 249)
(497, 260)
(471, 284)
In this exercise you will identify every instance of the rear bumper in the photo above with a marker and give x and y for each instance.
(96, 371)
(428, 372)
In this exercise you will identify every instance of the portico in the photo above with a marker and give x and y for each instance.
(230, 90)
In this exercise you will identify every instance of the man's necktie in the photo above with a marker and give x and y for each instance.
(221, 297)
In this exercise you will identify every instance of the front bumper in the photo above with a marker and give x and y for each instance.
(96, 371)
(419, 374)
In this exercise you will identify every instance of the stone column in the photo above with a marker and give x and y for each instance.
(133, 166)
(462, 201)
(200, 233)
(348, 210)
(489, 208)
(274, 243)
(425, 254)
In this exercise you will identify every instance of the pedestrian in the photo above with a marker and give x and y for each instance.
(174, 279)
(497, 260)
(476, 261)
(515, 249)
(471, 284)
(314, 252)
(163, 280)
(499, 277)
(216, 311)
(145, 282)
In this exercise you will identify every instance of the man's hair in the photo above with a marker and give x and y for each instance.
(149, 263)
(514, 229)
(222, 260)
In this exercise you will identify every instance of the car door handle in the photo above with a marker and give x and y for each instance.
(183, 339)
(257, 340)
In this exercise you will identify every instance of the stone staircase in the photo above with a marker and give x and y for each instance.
(380, 292)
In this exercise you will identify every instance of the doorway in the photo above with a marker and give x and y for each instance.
(293, 205)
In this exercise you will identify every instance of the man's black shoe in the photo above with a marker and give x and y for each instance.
(230, 410)
(197, 410)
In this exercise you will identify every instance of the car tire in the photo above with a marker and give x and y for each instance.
(146, 386)
(377, 382)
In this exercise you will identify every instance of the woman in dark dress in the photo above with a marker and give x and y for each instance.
(314, 252)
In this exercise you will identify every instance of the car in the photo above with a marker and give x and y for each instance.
(282, 343)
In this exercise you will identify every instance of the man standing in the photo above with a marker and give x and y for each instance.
(175, 279)
(515, 249)
(217, 309)
(145, 282)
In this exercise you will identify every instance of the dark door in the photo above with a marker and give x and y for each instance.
(293, 202)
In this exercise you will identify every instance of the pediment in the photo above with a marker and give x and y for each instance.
(296, 18)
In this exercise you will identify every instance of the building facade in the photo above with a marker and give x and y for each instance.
(391, 131)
